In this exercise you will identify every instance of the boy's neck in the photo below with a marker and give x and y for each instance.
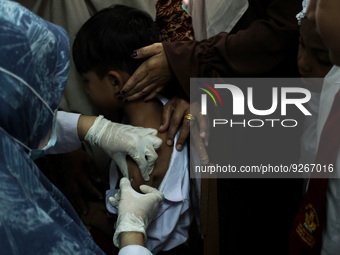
(144, 114)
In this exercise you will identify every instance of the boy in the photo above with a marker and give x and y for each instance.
(314, 64)
(322, 197)
(101, 53)
(327, 21)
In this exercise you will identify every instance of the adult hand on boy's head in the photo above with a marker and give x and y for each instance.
(151, 77)
(119, 140)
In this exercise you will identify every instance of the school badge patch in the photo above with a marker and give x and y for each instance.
(311, 223)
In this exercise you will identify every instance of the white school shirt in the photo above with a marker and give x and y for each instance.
(309, 137)
(308, 145)
(331, 231)
(170, 228)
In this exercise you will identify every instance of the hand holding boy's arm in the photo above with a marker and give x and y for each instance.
(119, 140)
(178, 112)
(135, 210)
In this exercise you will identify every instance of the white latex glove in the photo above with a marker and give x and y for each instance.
(119, 140)
(135, 210)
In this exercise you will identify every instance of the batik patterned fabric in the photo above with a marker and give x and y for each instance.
(35, 217)
(173, 21)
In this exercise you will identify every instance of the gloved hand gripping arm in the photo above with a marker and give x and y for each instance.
(135, 210)
(119, 140)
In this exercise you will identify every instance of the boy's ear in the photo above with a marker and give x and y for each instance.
(116, 79)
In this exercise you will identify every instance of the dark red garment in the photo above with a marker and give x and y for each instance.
(255, 215)
(306, 233)
(263, 43)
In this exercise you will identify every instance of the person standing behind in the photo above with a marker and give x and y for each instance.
(35, 217)
(319, 234)
(314, 64)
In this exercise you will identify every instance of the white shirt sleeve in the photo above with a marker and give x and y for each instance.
(134, 249)
(67, 134)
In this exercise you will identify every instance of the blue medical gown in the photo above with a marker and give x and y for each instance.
(35, 217)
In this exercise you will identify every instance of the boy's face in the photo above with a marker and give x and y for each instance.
(313, 55)
(102, 92)
(328, 26)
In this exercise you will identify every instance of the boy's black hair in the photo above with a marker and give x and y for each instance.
(107, 39)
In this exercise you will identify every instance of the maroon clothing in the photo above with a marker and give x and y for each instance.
(255, 215)
(263, 43)
(306, 232)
